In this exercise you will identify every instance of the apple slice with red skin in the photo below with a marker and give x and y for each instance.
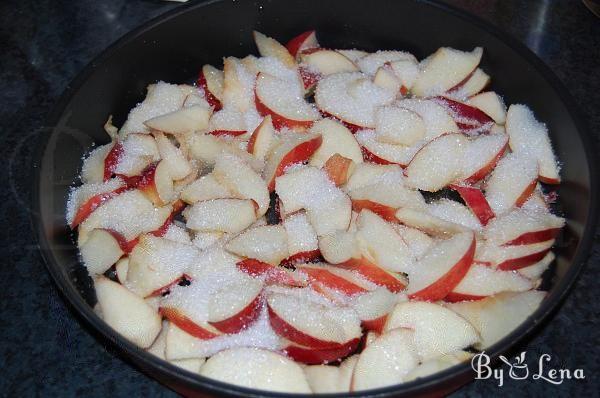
(388, 213)
(91, 204)
(482, 281)
(468, 118)
(278, 98)
(490, 103)
(304, 41)
(273, 275)
(223, 215)
(182, 121)
(476, 201)
(236, 306)
(167, 288)
(100, 251)
(266, 243)
(313, 356)
(510, 258)
(112, 159)
(156, 183)
(332, 278)
(297, 149)
(442, 268)
(336, 139)
(326, 62)
(309, 77)
(339, 247)
(338, 169)
(303, 246)
(382, 153)
(262, 138)
(523, 227)
(92, 169)
(482, 155)
(269, 47)
(373, 308)
(312, 324)
(428, 223)
(203, 332)
(210, 80)
(392, 281)
(530, 137)
(476, 82)
(511, 183)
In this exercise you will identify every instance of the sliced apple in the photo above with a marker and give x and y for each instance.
(370, 63)
(373, 308)
(351, 97)
(497, 316)
(181, 121)
(336, 139)
(269, 47)
(222, 215)
(227, 123)
(490, 103)
(383, 153)
(92, 170)
(262, 138)
(121, 268)
(386, 78)
(523, 227)
(302, 242)
(469, 119)
(332, 278)
(242, 180)
(88, 197)
(482, 281)
(311, 356)
(338, 169)
(285, 103)
(295, 149)
(327, 207)
(238, 85)
(156, 183)
(454, 212)
(509, 258)
(535, 271)
(530, 137)
(417, 241)
(131, 156)
(327, 62)
(438, 364)
(471, 85)
(392, 281)
(237, 305)
(271, 274)
(339, 247)
(127, 313)
(352, 54)
(175, 160)
(324, 379)
(407, 72)
(481, 156)
(445, 69)
(426, 320)
(211, 81)
(267, 244)
(398, 126)
(100, 251)
(386, 361)
(206, 187)
(312, 324)
(442, 268)
(476, 201)
(304, 41)
(511, 183)
(436, 118)
(437, 164)
(424, 221)
(157, 262)
(258, 369)
(385, 196)
(368, 173)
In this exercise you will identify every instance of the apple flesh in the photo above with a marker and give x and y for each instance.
(181, 121)
(265, 243)
(262, 138)
(210, 80)
(100, 251)
(312, 356)
(269, 47)
(337, 139)
(156, 183)
(272, 275)
(236, 306)
(481, 156)
(523, 227)
(491, 104)
(303, 41)
(223, 215)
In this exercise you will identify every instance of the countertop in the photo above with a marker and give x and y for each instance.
(45, 351)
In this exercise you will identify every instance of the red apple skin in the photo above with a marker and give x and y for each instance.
(547, 180)
(230, 133)
(124, 244)
(92, 204)
(337, 168)
(186, 324)
(312, 356)
(386, 212)
(252, 140)
(526, 194)
(487, 169)
(444, 285)
(284, 329)
(301, 258)
(369, 156)
(111, 160)
(374, 273)
(274, 275)
(332, 281)
(465, 111)
(305, 40)
(522, 262)
(534, 237)
(178, 207)
(375, 325)
(146, 184)
(453, 297)
(280, 121)
(210, 98)
(476, 201)
(309, 78)
(352, 127)
(298, 154)
(239, 321)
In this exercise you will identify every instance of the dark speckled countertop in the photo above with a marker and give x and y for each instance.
(45, 351)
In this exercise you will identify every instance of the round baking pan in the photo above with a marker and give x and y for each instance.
(174, 46)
